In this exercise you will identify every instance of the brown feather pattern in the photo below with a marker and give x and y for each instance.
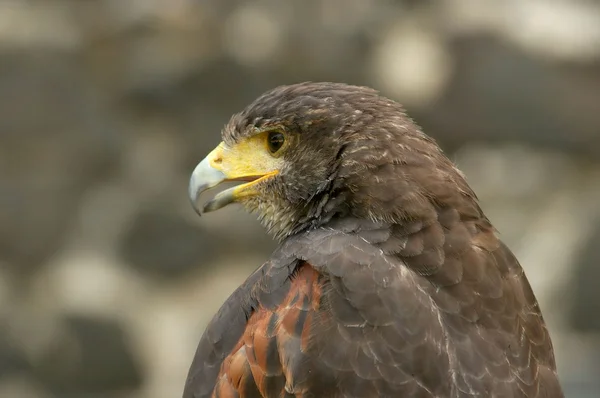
(403, 290)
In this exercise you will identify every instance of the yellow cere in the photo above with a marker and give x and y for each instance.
(248, 159)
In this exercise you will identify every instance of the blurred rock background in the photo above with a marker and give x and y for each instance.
(107, 277)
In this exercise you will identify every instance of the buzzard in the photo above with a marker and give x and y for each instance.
(388, 281)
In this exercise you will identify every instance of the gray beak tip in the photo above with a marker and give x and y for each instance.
(203, 177)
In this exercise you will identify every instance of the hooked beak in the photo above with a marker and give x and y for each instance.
(219, 167)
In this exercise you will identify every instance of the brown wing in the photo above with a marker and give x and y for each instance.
(496, 336)
(291, 331)
(380, 311)
(224, 336)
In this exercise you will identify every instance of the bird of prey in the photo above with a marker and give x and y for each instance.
(388, 281)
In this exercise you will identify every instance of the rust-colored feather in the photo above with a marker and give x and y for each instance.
(256, 360)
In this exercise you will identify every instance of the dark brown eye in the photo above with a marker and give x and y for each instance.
(275, 141)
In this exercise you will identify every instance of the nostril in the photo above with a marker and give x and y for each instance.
(218, 160)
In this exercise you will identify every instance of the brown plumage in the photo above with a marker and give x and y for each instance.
(389, 280)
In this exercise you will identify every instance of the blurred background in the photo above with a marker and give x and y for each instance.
(107, 276)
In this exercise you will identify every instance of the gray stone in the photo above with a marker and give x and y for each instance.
(12, 359)
(55, 143)
(584, 314)
(93, 358)
(502, 94)
(163, 244)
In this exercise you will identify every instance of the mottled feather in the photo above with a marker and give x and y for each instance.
(391, 281)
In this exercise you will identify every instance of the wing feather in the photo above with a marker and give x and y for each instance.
(370, 310)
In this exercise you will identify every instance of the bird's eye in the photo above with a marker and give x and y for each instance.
(275, 141)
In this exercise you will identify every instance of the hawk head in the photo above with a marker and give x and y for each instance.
(311, 152)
